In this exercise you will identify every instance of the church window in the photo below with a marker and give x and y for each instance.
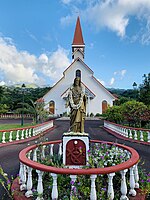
(78, 73)
(52, 107)
(104, 106)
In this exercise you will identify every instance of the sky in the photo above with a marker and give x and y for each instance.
(36, 38)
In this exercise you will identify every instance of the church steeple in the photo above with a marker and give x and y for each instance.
(78, 42)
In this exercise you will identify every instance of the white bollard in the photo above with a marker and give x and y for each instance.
(17, 135)
(136, 176)
(10, 136)
(132, 182)
(123, 185)
(26, 134)
(43, 151)
(110, 192)
(40, 185)
(51, 149)
(4, 137)
(23, 185)
(135, 134)
(22, 134)
(141, 135)
(35, 154)
(30, 132)
(93, 195)
(130, 134)
(54, 187)
(20, 173)
(29, 192)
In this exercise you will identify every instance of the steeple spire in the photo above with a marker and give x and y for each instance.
(78, 42)
(78, 38)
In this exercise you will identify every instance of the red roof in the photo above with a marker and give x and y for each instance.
(78, 38)
(41, 100)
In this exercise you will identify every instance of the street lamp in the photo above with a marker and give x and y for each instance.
(134, 86)
(22, 119)
(135, 92)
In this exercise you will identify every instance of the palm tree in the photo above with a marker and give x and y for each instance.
(35, 108)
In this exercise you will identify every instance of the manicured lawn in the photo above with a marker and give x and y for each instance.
(10, 126)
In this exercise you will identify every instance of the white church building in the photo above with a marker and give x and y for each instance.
(98, 97)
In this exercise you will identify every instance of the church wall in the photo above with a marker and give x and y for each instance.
(66, 82)
(101, 95)
(55, 95)
(78, 54)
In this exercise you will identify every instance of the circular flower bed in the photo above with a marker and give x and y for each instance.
(103, 158)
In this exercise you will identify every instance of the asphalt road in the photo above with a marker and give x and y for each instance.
(9, 155)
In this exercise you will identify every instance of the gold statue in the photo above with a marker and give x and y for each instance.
(77, 103)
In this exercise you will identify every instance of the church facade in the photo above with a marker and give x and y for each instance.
(98, 97)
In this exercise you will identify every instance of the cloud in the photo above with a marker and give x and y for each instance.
(54, 65)
(120, 74)
(112, 80)
(20, 66)
(114, 15)
(145, 39)
(2, 83)
(66, 1)
(31, 35)
(123, 72)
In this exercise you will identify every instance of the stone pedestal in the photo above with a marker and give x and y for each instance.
(75, 147)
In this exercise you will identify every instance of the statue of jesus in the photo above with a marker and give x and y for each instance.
(77, 103)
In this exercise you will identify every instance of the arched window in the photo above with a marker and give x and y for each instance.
(78, 73)
(104, 106)
(52, 107)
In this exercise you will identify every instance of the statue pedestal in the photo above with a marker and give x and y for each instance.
(75, 147)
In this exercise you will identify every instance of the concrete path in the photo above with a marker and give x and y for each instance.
(9, 155)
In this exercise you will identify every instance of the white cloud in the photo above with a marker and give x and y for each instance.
(2, 83)
(123, 72)
(55, 63)
(31, 35)
(112, 80)
(114, 15)
(120, 74)
(66, 1)
(21, 66)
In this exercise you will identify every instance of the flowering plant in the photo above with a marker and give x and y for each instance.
(105, 155)
(144, 181)
(6, 183)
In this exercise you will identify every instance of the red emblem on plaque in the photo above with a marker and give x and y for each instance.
(75, 152)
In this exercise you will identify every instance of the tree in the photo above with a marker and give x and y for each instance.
(3, 108)
(35, 108)
(1, 92)
(121, 100)
(133, 111)
(114, 114)
(144, 90)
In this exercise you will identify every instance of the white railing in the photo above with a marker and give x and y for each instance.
(12, 135)
(16, 116)
(28, 161)
(129, 132)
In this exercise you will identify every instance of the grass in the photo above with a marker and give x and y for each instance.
(10, 126)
